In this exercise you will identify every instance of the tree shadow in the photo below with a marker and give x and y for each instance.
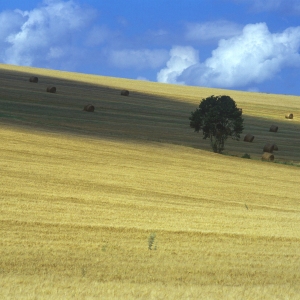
(140, 117)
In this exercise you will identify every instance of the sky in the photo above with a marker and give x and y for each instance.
(248, 45)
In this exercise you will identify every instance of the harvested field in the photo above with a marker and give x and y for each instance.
(78, 209)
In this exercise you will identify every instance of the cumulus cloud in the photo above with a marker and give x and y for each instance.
(61, 34)
(181, 58)
(50, 31)
(251, 57)
(139, 59)
(10, 23)
(209, 31)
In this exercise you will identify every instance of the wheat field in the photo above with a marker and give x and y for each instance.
(129, 203)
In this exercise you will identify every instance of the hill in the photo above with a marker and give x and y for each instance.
(85, 195)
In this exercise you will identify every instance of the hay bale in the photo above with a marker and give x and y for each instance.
(33, 79)
(89, 108)
(267, 156)
(51, 89)
(274, 128)
(125, 93)
(289, 116)
(249, 138)
(269, 148)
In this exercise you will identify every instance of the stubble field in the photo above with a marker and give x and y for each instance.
(83, 193)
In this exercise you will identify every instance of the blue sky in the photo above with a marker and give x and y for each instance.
(248, 45)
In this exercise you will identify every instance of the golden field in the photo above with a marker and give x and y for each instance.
(81, 193)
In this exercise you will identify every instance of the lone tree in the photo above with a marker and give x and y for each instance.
(218, 117)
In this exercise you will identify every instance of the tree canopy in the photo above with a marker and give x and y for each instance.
(218, 117)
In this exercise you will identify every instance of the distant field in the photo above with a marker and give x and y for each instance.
(81, 193)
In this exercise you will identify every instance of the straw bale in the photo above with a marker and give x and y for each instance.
(289, 116)
(89, 108)
(274, 128)
(125, 93)
(249, 138)
(269, 148)
(33, 79)
(267, 156)
(51, 89)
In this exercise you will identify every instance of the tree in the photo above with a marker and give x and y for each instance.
(218, 117)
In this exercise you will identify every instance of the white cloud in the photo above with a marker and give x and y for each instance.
(251, 57)
(44, 33)
(139, 59)
(61, 34)
(212, 30)
(180, 59)
(10, 23)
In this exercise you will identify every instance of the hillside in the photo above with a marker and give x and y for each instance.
(82, 193)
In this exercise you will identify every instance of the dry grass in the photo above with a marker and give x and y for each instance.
(77, 211)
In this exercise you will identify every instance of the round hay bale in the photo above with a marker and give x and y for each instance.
(268, 148)
(51, 89)
(267, 156)
(274, 128)
(249, 138)
(125, 93)
(289, 116)
(89, 108)
(33, 79)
